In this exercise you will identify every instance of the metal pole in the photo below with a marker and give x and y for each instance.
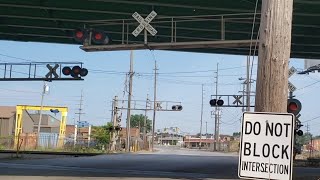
(145, 124)
(248, 83)
(154, 103)
(40, 116)
(201, 116)
(129, 101)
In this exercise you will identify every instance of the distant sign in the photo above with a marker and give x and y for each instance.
(266, 150)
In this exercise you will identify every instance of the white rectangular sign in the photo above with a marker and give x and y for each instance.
(266, 148)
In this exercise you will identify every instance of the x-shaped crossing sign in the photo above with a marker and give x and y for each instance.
(144, 23)
(52, 71)
(237, 100)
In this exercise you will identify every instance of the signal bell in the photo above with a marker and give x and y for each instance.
(75, 71)
(294, 106)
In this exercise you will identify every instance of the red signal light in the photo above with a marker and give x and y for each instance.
(80, 35)
(293, 106)
(66, 71)
(76, 70)
(99, 37)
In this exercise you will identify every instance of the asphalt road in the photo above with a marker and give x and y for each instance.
(168, 163)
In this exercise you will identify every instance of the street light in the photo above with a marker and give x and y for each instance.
(44, 91)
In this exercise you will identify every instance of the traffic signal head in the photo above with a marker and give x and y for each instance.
(80, 35)
(215, 102)
(294, 106)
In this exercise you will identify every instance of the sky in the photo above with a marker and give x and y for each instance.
(180, 77)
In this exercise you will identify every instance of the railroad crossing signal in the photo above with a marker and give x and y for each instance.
(294, 106)
(52, 71)
(176, 107)
(75, 72)
(144, 23)
(215, 102)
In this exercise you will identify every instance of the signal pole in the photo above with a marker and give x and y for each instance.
(274, 54)
(201, 116)
(154, 103)
(129, 101)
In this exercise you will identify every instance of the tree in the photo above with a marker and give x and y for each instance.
(304, 139)
(236, 134)
(137, 120)
(101, 134)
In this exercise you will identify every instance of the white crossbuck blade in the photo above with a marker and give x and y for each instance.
(144, 23)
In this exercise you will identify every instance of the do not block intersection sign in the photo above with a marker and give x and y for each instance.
(266, 149)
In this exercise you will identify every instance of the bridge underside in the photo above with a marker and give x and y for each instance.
(198, 26)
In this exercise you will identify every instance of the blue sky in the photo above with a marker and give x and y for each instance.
(107, 77)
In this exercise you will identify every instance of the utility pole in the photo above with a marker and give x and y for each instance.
(145, 124)
(154, 103)
(206, 134)
(201, 116)
(216, 120)
(44, 90)
(248, 83)
(114, 121)
(131, 73)
(80, 113)
(274, 54)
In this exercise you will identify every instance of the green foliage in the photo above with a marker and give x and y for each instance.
(101, 134)
(304, 139)
(236, 134)
(137, 119)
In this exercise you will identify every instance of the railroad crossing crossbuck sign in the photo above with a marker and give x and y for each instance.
(266, 148)
(52, 71)
(144, 23)
(291, 87)
(237, 100)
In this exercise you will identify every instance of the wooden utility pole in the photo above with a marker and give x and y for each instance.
(154, 105)
(131, 73)
(274, 54)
